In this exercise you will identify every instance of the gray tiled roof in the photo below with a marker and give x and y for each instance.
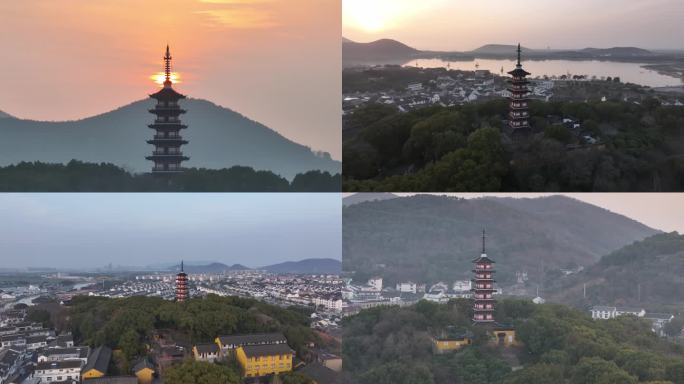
(99, 359)
(267, 350)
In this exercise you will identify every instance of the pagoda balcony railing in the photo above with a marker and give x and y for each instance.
(172, 137)
(162, 153)
(168, 123)
(519, 105)
(162, 169)
(519, 124)
(519, 115)
(519, 96)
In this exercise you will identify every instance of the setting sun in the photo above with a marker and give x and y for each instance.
(159, 78)
(367, 16)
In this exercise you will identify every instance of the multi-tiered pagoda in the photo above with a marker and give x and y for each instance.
(181, 285)
(167, 141)
(483, 287)
(519, 114)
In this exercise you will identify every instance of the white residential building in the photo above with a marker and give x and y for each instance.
(462, 285)
(50, 371)
(408, 287)
(376, 283)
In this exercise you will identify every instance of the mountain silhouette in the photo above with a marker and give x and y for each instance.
(219, 138)
(431, 238)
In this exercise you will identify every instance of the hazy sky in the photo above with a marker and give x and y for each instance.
(277, 62)
(663, 211)
(460, 25)
(92, 230)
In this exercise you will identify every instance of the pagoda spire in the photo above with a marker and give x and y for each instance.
(181, 265)
(167, 66)
(483, 241)
(519, 52)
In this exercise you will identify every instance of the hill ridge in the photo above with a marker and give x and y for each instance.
(218, 138)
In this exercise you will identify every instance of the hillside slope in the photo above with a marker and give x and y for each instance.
(219, 138)
(647, 273)
(430, 238)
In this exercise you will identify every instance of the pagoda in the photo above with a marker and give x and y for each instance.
(483, 287)
(518, 115)
(181, 285)
(167, 141)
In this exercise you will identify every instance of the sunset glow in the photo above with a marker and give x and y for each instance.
(270, 60)
(368, 16)
(159, 78)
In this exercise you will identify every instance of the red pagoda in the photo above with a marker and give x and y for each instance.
(518, 115)
(483, 287)
(181, 285)
(167, 141)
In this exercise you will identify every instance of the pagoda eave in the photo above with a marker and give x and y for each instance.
(171, 126)
(167, 111)
(169, 158)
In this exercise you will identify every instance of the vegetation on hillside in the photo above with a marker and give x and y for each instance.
(559, 345)
(128, 323)
(427, 239)
(77, 176)
(647, 273)
(464, 148)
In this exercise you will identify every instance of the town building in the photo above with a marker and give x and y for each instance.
(375, 283)
(144, 371)
(227, 344)
(208, 352)
(504, 335)
(62, 354)
(450, 340)
(408, 287)
(167, 141)
(262, 360)
(606, 312)
(98, 362)
(56, 371)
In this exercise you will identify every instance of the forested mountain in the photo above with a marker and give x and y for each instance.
(358, 198)
(647, 273)
(636, 147)
(218, 138)
(383, 49)
(307, 266)
(428, 238)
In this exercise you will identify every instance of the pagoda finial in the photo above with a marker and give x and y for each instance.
(483, 241)
(181, 265)
(519, 50)
(167, 65)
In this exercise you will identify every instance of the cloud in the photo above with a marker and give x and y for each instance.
(240, 14)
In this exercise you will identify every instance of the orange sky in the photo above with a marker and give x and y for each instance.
(277, 62)
(461, 25)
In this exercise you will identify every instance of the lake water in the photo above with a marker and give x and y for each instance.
(627, 72)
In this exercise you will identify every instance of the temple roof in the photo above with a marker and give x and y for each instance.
(519, 72)
(167, 93)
